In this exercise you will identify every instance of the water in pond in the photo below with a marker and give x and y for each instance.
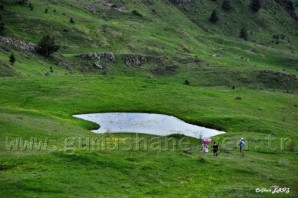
(148, 123)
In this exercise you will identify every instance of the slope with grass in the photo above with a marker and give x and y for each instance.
(246, 88)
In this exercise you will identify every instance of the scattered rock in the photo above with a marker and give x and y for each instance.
(18, 44)
(109, 56)
(92, 56)
(97, 65)
(135, 60)
(242, 58)
(216, 55)
(131, 158)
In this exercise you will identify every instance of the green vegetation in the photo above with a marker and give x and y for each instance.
(214, 18)
(12, 59)
(243, 33)
(47, 46)
(166, 58)
(226, 5)
(255, 5)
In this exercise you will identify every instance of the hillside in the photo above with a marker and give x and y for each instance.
(159, 56)
(158, 35)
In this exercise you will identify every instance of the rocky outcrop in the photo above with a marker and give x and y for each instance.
(98, 56)
(135, 60)
(18, 44)
(106, 57)
(277, 79)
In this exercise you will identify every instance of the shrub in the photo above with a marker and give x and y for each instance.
(71, 21)
(186, 82)
(12, 59)
(47, 46)
(22, 2)
(255, 5)
(30, 6)
(2, 28)
(243, 33)
(213, 18)
(137, 13)
(226, 5)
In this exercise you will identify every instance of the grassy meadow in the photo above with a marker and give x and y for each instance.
(45, 151)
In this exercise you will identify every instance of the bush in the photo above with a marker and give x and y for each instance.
(226, 5)
(71, 21)
(47, 46)
(12, 59)
(137, 13)
(30, 6)
(243, 33)
(2, 29)
(213, 18)
(255, 5)
(21, 2)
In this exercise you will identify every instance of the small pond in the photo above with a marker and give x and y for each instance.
(147, 123)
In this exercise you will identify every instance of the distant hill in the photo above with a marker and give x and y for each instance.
(155, 37)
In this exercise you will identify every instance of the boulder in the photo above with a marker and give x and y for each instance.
(216, 55)
(98, 65)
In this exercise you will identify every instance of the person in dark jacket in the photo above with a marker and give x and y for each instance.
(215, 149)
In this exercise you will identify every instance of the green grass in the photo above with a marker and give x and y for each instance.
(42, 108)
(37, 104)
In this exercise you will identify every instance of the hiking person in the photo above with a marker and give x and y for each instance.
(241, 145)
(205, 148)
(215, 149)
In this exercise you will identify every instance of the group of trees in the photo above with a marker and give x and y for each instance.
(288, 5)
(255, 6)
